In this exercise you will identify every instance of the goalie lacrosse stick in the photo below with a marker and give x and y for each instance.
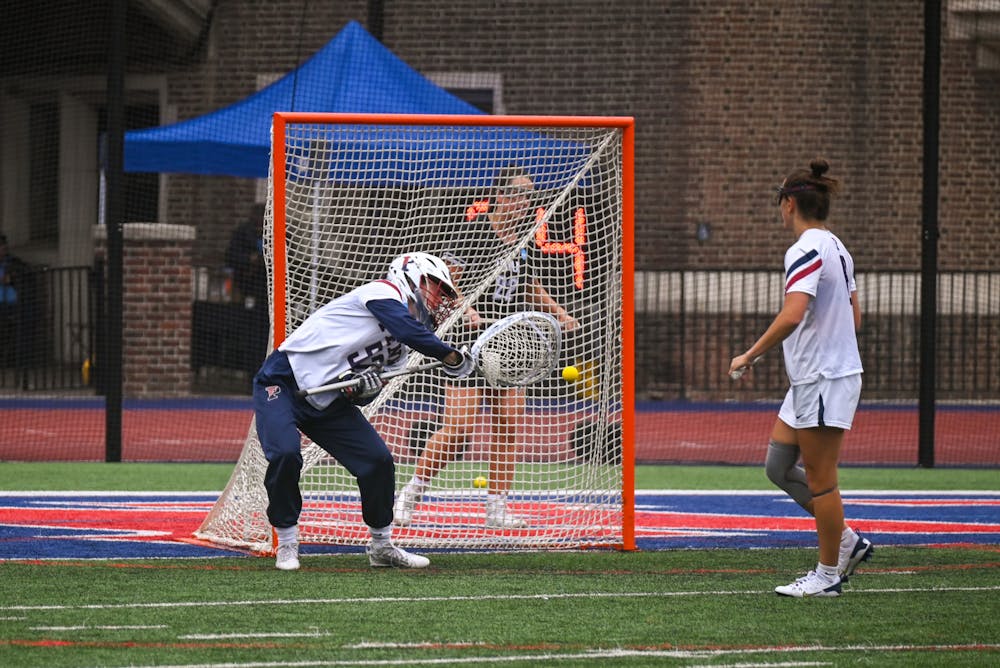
(518, 350)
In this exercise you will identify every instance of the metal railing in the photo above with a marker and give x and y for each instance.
(689, 324)
(47, 338)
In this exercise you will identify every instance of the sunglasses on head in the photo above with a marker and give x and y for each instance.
(788, 191)
(518, 191)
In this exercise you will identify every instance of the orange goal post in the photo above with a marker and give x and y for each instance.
(347, 193)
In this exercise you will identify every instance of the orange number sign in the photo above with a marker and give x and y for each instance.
(574, 248)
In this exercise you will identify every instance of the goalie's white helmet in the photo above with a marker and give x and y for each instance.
(426, 283)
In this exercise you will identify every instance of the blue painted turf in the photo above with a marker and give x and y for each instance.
(75, 525)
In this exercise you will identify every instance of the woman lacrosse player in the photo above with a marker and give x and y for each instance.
(817, 328)
(514, 289)
(353, 336)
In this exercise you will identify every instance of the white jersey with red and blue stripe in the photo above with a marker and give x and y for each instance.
(355, 331)
(825, 343)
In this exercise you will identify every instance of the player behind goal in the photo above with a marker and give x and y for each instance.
(353, 336)
(515, 289)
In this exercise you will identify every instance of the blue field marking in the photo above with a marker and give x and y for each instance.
(682, 520)
(131, 525)
(34, 542)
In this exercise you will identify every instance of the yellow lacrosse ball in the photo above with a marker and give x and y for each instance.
(570, 374)
(479, 482)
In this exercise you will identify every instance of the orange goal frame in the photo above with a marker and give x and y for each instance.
(625, 123)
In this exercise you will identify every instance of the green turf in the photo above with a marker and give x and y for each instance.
(752, 477)
(26, 476)
(910, 606)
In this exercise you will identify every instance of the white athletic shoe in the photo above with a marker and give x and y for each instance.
(810, 585)
(390, 556)
(405, 504)
(851, 556)
(288, 557)
(498, 517)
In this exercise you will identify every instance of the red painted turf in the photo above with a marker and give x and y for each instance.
(880, 437)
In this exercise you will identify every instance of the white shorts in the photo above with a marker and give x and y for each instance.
(828, 402)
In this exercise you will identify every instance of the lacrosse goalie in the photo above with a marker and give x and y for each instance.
(353, 337)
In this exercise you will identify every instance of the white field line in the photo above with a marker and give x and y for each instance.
(476, 598)
(246, 636)
(97, 628)
(411, 645)
(783, 664)
(598, 655)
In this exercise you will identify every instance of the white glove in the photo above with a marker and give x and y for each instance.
(464, 368)
(367, 388)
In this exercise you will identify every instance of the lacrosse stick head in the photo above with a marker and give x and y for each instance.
(518, 350)
(426, 284)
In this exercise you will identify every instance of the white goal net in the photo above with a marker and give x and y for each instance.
(531, 214)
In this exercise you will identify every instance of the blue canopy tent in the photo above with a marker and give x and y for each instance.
(353, 73)
(465, 158)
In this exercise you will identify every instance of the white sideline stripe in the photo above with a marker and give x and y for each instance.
(482, 597)
(783, 664)
(191, 507)
(453, 645)
(97, 628)
(233, 636)
(410, 645)
(595, 655)
(760, 665)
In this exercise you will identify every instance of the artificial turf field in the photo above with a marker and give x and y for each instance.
(913, 605)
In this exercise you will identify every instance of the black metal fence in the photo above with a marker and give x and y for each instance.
(690, 324)
(47, 334)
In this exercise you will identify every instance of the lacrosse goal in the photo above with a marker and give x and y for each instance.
(347, 194)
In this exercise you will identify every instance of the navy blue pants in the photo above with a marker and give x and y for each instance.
(340, 429)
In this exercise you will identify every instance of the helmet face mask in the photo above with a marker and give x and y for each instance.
(438, 298)
(426, 283)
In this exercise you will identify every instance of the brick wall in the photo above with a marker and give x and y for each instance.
(728, 97)
(156, 308)
(247, 39)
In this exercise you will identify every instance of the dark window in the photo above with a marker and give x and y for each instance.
(142, 190)
(43, 172)
(480, 98)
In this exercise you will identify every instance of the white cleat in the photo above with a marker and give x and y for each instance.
(498, 517)
(852, 555)
(390, 556)
(288, 557)
(811, 585)
(406, 502)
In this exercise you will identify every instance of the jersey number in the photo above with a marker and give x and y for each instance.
(847, 280)
(506, 283)
(384, 353)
